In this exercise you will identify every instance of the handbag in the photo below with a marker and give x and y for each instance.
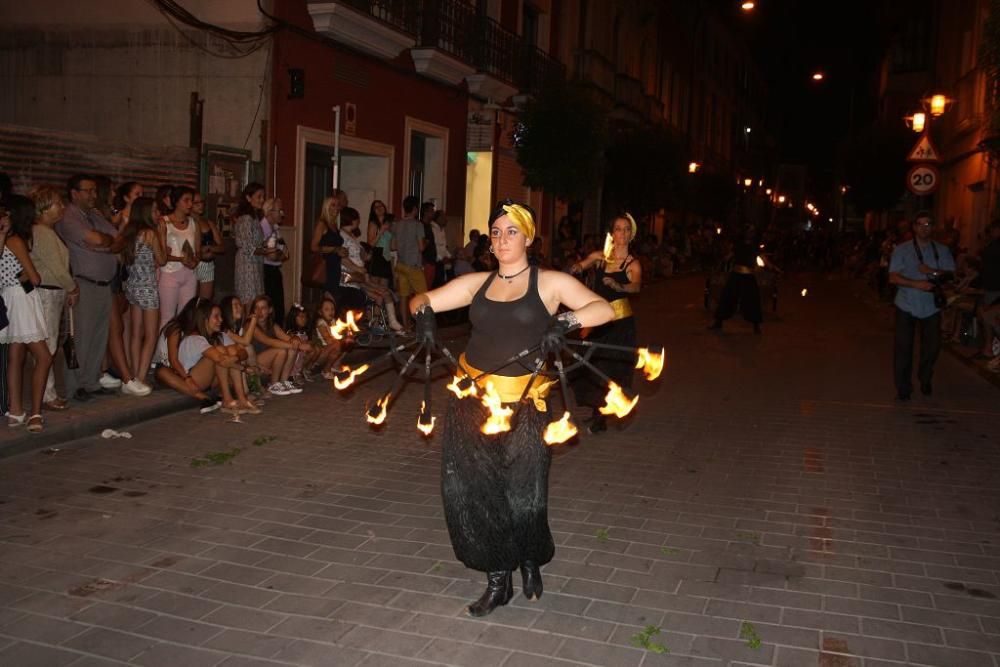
(69, 345)
(315, 273)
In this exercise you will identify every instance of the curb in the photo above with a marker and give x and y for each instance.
(91, 424)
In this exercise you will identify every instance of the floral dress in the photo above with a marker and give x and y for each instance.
(141, 288)
(249, 282)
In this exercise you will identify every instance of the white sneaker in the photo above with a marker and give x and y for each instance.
(291, 388)
(278, 389)
(136, 388)
(109, 382)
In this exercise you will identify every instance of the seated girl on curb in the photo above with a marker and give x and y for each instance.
(276, 350)
(330, 349)
(202, 360)
(297, 326)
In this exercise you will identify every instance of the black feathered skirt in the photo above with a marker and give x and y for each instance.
(495, 488)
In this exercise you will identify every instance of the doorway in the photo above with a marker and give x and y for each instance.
(365, 175)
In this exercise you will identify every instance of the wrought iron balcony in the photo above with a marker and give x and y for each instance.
(629, 94)
(595, 69)
(467, 39)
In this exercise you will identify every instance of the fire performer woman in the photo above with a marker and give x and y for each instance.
(618, 275)
(495, 488)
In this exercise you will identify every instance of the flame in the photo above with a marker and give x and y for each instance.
(651, 362)
(351, 375)
(617, 403)
(760, 261)
(376, 413)
(805, 291)
(558, 432)
(341, 327)
(499, 419)
(458, 387)
(423, 424)
(609, 248)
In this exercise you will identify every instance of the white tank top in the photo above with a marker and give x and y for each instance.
(175, 244)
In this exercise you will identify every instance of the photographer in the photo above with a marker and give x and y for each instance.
(919, 268)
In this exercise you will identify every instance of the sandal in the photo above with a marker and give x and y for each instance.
(249, 408)
(232, 408)
(35, 424)
(14, 421)
(56, 404)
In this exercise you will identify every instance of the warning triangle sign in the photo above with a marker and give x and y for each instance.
(924, 151)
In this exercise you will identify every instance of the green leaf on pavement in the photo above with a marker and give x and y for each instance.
(263, 440)
(602, 534)
(749, 633)
(748, 536)
(643, 640)
(669, 551)
(215, 458)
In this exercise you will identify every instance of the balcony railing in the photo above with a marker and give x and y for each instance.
(597, 70)
(629, 93)
(400, 14)
(454, 27)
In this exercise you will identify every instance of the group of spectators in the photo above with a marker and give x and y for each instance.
(123, 283)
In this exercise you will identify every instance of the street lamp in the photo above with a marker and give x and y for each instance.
(937, 104)
(748, 6)
(818, 76)
(693, 167)
(747, 182)
(917, 122)
(781, 199)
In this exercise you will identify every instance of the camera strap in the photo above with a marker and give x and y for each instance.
(920, 255)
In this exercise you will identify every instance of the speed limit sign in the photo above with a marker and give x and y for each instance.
(923, 179)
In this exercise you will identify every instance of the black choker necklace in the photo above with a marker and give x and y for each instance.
(513, 275)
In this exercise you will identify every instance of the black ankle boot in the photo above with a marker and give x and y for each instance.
(531, 580)
(598, 424)
(499, 591)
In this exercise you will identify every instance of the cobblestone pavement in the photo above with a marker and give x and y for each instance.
(768, 491)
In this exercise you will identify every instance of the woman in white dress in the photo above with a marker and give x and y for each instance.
(26, 327)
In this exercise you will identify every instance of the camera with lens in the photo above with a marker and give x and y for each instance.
(939, 279)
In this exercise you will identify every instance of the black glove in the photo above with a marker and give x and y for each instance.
(425, 325)
(555, 335)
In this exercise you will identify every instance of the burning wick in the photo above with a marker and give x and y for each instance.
(348, 376)
(339, 328)
(760, 262)
(650, 362)
(376, 413)
(617, 403)
(425, 422)
(499, 419)
(805, 291)
(462, 386)
(558, 432)
(609, 248)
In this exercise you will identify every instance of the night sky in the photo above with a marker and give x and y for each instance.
(792, 39)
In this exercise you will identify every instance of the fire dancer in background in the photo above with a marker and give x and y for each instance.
(495, 488)
(741, 289)
(618, 275)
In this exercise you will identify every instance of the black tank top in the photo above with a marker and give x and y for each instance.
(501, 329)
(620, 276)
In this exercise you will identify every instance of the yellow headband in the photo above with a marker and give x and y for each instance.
(635, 227)
(522, 219)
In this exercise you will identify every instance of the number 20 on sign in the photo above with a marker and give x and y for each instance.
(922, 179)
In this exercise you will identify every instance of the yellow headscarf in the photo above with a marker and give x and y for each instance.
(522, 219)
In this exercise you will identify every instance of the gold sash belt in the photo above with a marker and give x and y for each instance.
(510, 387)
(622, 308)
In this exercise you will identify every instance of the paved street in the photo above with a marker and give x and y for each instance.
(770, 505)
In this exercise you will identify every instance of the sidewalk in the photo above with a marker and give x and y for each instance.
(81, 420)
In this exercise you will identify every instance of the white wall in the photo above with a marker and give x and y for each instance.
(119, 69)
(365, 178)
